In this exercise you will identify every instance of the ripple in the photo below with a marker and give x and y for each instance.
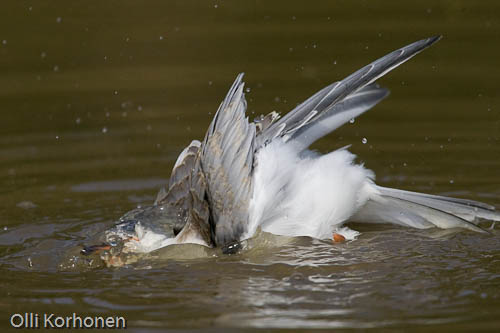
(120, 185)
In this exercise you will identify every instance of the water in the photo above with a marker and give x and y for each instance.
(134, 84)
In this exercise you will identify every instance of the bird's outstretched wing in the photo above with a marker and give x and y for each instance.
(186, 196)
(223, 165)
(420, 210)
(337, 103)
(227, 156)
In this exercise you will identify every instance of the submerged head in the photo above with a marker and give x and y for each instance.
(141, 230)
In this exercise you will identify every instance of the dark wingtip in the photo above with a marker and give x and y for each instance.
(416, 47)
(434, 39)
(426, 42)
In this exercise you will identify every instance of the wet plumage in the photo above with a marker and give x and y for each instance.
(249, 175)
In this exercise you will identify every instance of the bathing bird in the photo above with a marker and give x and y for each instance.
(245, 176)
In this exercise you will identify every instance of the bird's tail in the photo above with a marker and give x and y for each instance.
(419, 210)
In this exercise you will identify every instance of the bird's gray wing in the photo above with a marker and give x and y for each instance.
(197, 228)
(336, 115)
(179, 181)
(355, 90)
(186, 194)
(420, 210)
(227, 155)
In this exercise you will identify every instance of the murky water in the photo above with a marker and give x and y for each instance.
(98, 99)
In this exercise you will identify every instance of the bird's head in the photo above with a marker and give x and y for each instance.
(140, 230)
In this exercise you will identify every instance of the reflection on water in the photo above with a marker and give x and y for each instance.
(97, 101)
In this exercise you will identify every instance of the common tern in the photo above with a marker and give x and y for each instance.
(249, 175)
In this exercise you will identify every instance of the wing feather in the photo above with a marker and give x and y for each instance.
(326, 101)
(227, 162)
(186, 193)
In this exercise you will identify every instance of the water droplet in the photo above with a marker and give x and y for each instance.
(404, 164)
(104, 130)
(216, 6)
(139, 108)
(335, 62)
(30, 263)
(56, 68)
(352, 120)
(210, 83)
(107, 114)
(294, 18)
(59, 19)
(115, 92)
(4, 42)
(290, 49)
(43, 55)
(5, 228)
(78, 120)
(315, 46)
(57, 137)
(161, 37)
(451, 181)
(247, 89)
(364, 140)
